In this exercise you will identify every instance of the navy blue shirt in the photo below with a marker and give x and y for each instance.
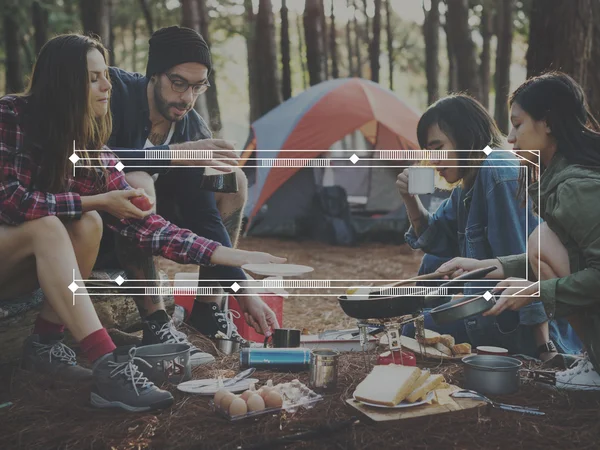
(131, 120)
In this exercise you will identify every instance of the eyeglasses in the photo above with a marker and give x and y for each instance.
(182, 86)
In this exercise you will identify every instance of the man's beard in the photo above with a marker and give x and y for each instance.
(164, 107)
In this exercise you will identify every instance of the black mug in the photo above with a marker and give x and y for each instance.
(284, 338)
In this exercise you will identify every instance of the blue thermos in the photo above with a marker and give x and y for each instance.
(284, 359)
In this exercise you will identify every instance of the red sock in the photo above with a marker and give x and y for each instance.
(43, 327)
(97, 344)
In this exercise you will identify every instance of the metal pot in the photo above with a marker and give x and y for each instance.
(393, 306)
(168, 362)
(489, 374)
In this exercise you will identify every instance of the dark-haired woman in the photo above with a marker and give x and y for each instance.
(549, 113)
(482, 219)
(50, 226)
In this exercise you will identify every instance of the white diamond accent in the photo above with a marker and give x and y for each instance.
(74, 158)
(487, 296)
(119, 166)
(354, 158)
(119, 280)
(236, 287)
(487, 150)
(73, 287)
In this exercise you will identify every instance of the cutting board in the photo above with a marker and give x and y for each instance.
(444, 404)
(425, 351)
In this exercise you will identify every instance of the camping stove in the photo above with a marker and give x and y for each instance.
(391, 328)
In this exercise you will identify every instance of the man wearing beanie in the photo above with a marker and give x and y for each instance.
(156, 112)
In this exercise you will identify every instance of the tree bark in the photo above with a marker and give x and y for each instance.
(452, 66)
(39, 14)
(324, 35)
(314, 43)
(593, 78)
(335, 73)
(286, 72)
(463, 47)
(504, 27)
(375, 44)
(351, 70)
(95, 17)
(250, 32)
(484, 68)
(147, 16)
(266, 54)
(431, 31)
(212, 100)
(134, 48)
(390, 42)
(301, 50)
(14, 68)
(562, 36)
(112, 54)
(357, 42)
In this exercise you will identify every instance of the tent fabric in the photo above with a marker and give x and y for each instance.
(313, 121)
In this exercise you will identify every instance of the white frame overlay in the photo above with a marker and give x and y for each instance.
(277, 283)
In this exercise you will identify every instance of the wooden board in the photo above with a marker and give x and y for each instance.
(444, 404)
(425, 351)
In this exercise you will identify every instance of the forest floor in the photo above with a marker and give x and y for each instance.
(49, 414)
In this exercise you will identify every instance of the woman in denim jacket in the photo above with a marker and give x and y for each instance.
(482, 219)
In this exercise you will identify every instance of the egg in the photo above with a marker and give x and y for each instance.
(246, 395)
(238, 407)
(263, 391)
(226, 401)
(358, 293)
(255, 403)
(219, 396)
(273, 400)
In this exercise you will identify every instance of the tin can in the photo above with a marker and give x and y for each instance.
(323, 369)
(284, 359)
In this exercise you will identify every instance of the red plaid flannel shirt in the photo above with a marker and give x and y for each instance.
(20, 201)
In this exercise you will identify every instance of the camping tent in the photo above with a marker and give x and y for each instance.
(308, 126)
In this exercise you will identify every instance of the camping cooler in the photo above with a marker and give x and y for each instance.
(185, 285)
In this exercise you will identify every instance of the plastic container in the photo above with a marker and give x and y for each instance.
(283, 359)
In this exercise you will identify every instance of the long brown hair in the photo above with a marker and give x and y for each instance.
(59, 110)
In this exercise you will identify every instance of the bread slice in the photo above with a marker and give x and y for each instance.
(444, 349)
(461, 349)
(430, 338)
(422, 378)
(447, 340)
(430, 384)
(387, 385)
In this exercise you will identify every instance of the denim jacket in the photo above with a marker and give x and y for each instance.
(486, 222)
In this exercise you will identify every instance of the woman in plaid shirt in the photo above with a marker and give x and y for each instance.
(50, 226)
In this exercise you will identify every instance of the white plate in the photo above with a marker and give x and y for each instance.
(288, 270)
(401, 404)
(210, 387)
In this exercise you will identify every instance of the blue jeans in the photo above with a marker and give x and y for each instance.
(512, 330)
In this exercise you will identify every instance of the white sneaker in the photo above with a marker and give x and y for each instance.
(581, 376)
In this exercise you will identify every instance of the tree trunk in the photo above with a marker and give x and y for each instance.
(212, 100)
(463, 47)
(112, 54)
(351, 70)
(484, 68)
(324, 34)
(561, 37)
(286, 72)
(390, 42)
(266, 55)
(252, 75)
(39, 14)
(314, 43)
(335, 73)
(14, 68)
(452, 66)
(95, 17)
(301, 50)
(593, 79)
(357, 41)
(431, 31)
(134, 48)
(375, 44)
(504, 32)
(147, 16)
(367, 36)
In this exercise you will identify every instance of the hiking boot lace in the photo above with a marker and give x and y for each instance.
(131, 372)
(57, 351)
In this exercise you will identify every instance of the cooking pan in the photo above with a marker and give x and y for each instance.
(394, 306)
(462, 308)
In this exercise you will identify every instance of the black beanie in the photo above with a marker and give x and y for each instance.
(176, 45)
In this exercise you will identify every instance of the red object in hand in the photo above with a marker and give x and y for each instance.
(405, 358)
(142, 202)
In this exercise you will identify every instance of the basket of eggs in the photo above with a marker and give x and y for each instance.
(268, 399)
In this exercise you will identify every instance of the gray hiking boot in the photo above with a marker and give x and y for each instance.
(54, 358)
(118, 383)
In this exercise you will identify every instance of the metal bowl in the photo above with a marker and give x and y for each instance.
(490, 374)
(169, 362)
